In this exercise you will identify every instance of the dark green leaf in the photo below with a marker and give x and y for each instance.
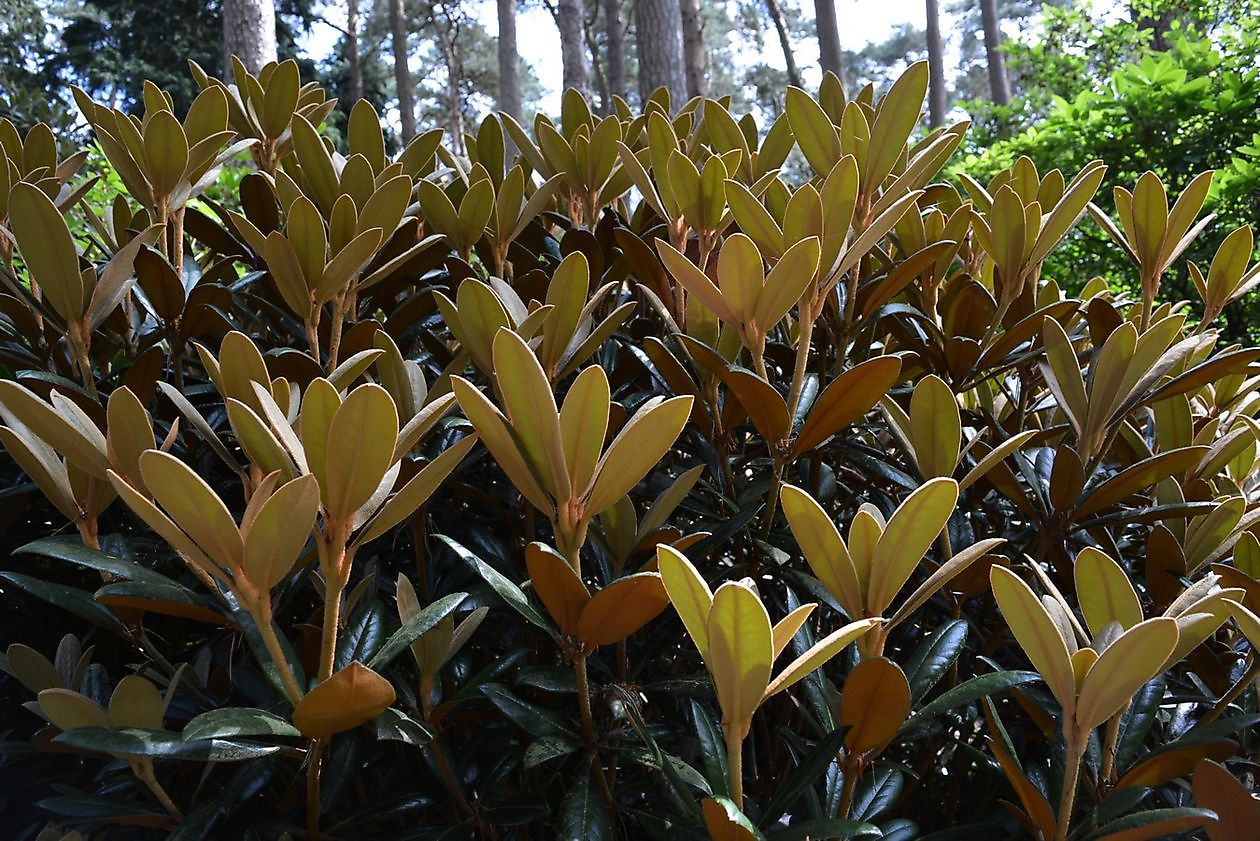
(582, 814)
(136, 741)
(237, 721)
(72, 599)
(423, 621)
(968, 691)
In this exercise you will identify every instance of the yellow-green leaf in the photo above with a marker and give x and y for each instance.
(1133, 659)
(1036, 633)
(361, 441)
(688, 592)
(740, 651)
(1104, 592)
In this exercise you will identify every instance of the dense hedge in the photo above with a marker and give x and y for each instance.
(605, 484)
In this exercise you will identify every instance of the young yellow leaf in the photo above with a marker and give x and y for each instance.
(1136, 657)
(907, 538)
(818, 654)
(583, 425)
(638, 447)
(688, 592)
(280, 530)
(47, 248)
(67, 709)
(193, 505)
(740, 652)
(1036, 633)
(935, 427)
(1104, 592)
(823, 548)
(531, 406)
(360, 450)
(787, 627)
(136, 702)
(741, 275)
(493, 429)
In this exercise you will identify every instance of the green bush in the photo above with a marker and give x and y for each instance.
(1176, 113)
(613, 487)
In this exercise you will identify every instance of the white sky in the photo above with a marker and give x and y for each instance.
(861, 22)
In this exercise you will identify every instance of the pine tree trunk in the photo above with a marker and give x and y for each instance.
(999, 84)
(694, 57)
(615, 43)
(352, 52)
(249, 33)
(829, 55)
(776, 15)
(402, 73)
(570, 20)
(938, 102)
(658, 26)
(509, 61)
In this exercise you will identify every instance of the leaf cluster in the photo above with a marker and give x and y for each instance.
(603, 482)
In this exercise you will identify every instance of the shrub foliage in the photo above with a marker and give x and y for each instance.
(605, 484)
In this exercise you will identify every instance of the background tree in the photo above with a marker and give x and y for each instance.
(999, 83)
(614, 48)
(402, 71)
(694, 57)
(1176, 112)
(249, 32)
(570, 16)
(658, 34)
(785, 41)
(509, 100)
(938, 89)
(830, 55)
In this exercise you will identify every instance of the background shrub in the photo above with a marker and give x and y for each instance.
(604, 483)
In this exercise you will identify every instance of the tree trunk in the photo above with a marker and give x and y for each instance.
(570, 20)
(402, 73)
(776, 15)
(999, 84)
(830, 57)
(938, 102)
(615, 43)
(658, 24)
(352, 52)
(249, 33)
(509, 61)
(589, 28)
(694, 57)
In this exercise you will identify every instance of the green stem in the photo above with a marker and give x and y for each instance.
(772, 504)
(735, 763)
(852, 773)
(143, 769)
(312, 789)
(807, 316)
(1106, 771)
(588, 728)
(1071, 777)
(272, 642)
(336, 574)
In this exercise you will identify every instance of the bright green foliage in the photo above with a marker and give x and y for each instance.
(604, 482)
(1100, 91)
